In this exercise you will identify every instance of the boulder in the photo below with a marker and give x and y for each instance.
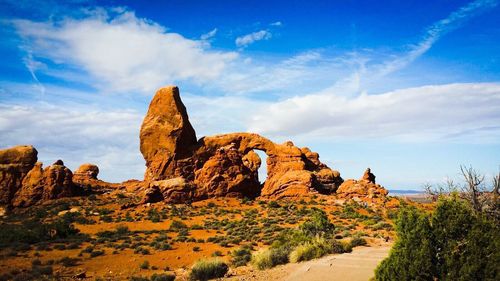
(15, 163)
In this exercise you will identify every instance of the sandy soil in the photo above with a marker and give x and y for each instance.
(356, 266)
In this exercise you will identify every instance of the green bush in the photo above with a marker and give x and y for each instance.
(305, 252)
(241, 256)
(454, 243)
(318, 225)
(144, 265)
(270, 257)
(208, 269)
(358, 241)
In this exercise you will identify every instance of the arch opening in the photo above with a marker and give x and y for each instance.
(262, 172)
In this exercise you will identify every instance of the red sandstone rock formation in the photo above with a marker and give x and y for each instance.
(15, 163)
(223, 165)
(365, 187)
(86, 172)
(53, 182)
(166, 136)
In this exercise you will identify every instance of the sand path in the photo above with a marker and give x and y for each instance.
(356, 266)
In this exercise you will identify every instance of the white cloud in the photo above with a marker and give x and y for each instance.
(251, 38)
(415, 114)
(278, 23)
(122, 52)
(209, 35)
(107, 138)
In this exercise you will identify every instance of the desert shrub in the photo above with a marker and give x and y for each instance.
(141, 250)
(305, 252)
(33, 231)
(318, 225)
(273, 205)
(68, 262)
(163, 277)
(208, 269)
(144, 265)
(217, 254)
(358, 241)
(317, 248)
(451, 244)
(96, 253)
(42, 270)
(177, 225)
(270, 257)
(154, 215)
(241, 256)
(196, 249)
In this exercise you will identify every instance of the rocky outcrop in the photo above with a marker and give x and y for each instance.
(175, 190)
(368, 176)
(166, 136)
(224, 165)
(86, 172)
(53, 182)
(15, 163)
(85, 177)
(24, 182)
(362, 188)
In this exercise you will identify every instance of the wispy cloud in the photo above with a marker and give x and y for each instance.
(122, 52)
(436, 31)
(209, 35)
(245, 40)
(278, 23)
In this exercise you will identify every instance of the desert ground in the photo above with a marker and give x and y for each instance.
(116, 244)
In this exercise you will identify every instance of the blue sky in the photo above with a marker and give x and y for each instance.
(408, 88)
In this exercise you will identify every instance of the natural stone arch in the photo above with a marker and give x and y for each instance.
(224, 164)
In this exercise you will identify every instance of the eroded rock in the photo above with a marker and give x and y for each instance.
(225, 165)
(15, 163)
(166, 136)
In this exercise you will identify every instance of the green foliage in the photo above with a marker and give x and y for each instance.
(208, 269)
(144, 265)
(358, 241)
(33, 231)
(241, 256)
(318, 225)
(452, 244)
(270, 257)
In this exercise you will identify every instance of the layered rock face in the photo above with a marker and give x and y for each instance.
(15, 163)
(222, 165)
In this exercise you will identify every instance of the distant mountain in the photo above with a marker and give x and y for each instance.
(404, 191)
